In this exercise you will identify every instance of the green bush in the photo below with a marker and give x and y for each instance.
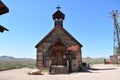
(93, 60)
(16, 63)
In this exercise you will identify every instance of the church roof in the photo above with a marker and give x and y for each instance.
(65, 31)
(58, 15)
(3, 8)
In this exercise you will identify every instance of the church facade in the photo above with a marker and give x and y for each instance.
(55, 46)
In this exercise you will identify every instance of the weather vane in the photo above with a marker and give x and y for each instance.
(58, 7)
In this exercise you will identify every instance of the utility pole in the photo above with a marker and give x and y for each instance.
(116, 32)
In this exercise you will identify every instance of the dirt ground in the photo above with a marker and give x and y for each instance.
(100, 72)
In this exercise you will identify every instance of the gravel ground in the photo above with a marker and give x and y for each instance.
(100, 72)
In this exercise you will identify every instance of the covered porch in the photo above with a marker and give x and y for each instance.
(61, 59)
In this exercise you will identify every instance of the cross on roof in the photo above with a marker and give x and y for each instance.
(58, 7)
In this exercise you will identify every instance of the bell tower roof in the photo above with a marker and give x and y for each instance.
(58, 14)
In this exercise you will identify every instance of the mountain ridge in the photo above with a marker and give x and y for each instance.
(11, 57)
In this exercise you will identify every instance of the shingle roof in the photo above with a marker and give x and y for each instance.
(58, 15)
(65, 31)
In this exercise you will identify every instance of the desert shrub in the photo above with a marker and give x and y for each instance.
(93, 60)
(16, 63)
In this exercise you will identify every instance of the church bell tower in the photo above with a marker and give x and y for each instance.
(58, 17)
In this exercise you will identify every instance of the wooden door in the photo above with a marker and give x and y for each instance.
(58, 59)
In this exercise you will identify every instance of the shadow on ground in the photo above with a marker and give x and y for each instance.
(102, 69)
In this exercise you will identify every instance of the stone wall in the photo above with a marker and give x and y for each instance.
(44, 47)
(115, 59)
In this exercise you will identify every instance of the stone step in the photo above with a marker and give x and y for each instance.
(59, 69)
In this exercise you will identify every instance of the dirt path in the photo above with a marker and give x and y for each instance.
(100, 72)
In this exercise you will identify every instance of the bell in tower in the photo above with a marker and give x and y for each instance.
(58, 17)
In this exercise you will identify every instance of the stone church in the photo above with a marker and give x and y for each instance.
(55, 46)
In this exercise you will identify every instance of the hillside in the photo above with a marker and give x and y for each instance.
(6, 57)
(8, 62)
(93, 60)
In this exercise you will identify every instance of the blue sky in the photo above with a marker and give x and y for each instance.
(29, 21)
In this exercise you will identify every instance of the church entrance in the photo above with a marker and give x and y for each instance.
(58, 59)
(58, 49)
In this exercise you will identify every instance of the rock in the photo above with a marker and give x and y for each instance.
(36, 72)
